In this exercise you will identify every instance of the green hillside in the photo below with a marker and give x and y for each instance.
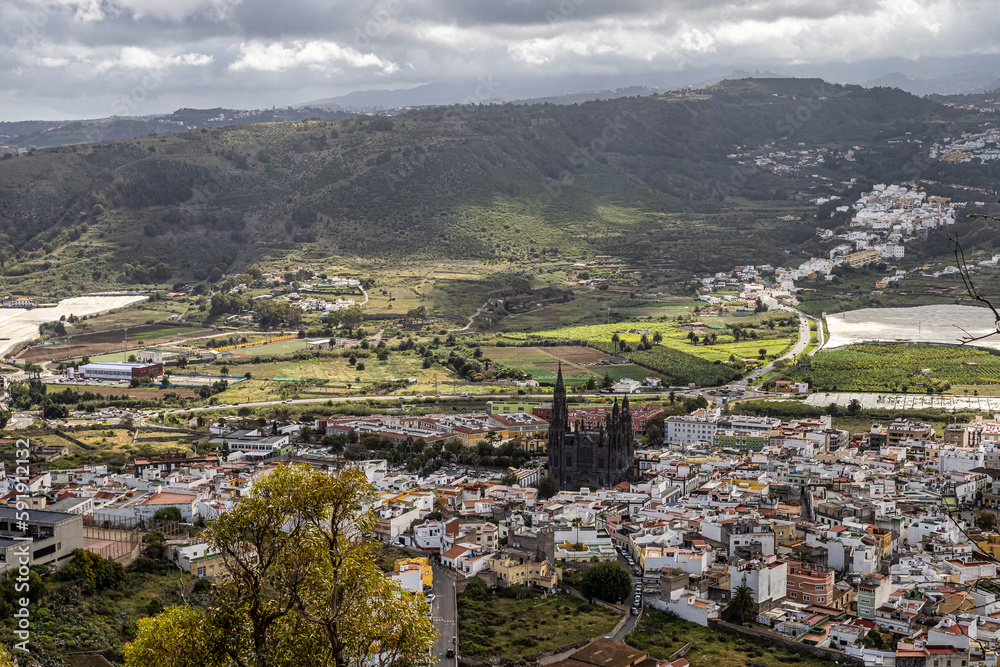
(647, 179)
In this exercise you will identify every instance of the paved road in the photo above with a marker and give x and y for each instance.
(444, 613)
(796, 350)
(20, 420)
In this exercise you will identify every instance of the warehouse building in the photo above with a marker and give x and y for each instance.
(119, 371)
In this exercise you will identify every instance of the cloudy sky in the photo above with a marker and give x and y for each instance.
(95, 58)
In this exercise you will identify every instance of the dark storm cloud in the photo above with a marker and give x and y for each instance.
(71, 58)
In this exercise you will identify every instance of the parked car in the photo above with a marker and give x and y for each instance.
(450, 653)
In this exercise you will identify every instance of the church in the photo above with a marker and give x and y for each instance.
(600, 457)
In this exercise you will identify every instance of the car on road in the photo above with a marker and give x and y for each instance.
(464, 394)
(450, 653)
(430, 597)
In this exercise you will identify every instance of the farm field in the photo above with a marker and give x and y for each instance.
(661, 635)
(675, 357)
(338, 374)
(900, 367)
(542, 363)
(675, 336)
(100, 343)
(162, 332)
(281, 347)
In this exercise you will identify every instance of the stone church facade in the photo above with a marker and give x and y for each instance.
(601, 457)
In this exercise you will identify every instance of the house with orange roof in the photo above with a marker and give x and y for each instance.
(186, 503)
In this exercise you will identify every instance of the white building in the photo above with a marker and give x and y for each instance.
(766, 577)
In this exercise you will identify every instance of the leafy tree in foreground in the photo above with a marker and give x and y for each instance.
(607, 581)
(742, 605)
(5, 659)
(304, 587)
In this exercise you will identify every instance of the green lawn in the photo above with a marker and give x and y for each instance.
(661, 634)
(516, 628)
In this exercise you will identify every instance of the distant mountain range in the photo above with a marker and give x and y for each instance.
(43, 134)
(484, 90)
(40, 134)
(965, 83)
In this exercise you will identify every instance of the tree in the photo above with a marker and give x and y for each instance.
(168, 514)
(304, 586)
(93, 572)
(854, 407)
(607, 382)
(608, 581)
(5, 658)
(762, 352)
(742, 606)
(657, 337)
(615, 340)
(986, 520)
(547, 487)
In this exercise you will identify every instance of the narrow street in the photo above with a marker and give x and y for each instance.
(444, 613)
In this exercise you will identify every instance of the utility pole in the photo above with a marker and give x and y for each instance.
(126, 344)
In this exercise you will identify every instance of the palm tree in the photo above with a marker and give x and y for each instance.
(615, 338)
(742, 605)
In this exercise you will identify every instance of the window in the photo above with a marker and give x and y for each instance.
(821, 599)
(792, 594)
(806, 598)
(201, 572)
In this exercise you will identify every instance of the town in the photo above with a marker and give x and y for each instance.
(869, 548)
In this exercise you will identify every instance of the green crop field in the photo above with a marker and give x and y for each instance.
(897, 367)
(675, 336)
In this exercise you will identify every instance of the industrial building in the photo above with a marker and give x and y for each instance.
(119, 370)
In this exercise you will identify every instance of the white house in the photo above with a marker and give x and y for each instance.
(689, 606)
(766, 577)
